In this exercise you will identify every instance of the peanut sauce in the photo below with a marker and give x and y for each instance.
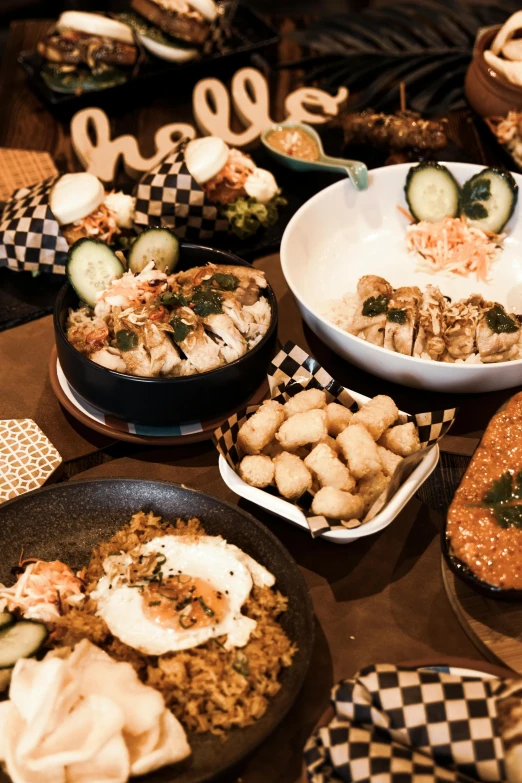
(481, 536)
(183, 602)
(295, 142)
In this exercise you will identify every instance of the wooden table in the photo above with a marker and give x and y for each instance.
(379, 599)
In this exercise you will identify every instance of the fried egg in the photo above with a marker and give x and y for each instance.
(177, 592)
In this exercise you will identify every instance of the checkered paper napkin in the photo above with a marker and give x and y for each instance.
(292, 371)
(395, 725)
(170, 197)
(30, 237)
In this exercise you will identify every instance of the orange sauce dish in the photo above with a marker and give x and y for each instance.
(485, 517)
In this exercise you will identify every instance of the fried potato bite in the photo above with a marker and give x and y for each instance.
(402, 439)
(301, 429)
(273, 449)
(337, 418)
(292, 477)
(257, 470)
(304, 401)
(336, 504)
(377, 415)
(371, 488)
(332, 443)
(389, 460)
(328, 468)
(360, 451)
(259, 429)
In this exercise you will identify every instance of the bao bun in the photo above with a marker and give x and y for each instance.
(95, 24)
(74, 196)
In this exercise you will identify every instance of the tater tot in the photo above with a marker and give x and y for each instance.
(259, 429)
(257, 470)
(360, 451)
(377, 415)
(371, 488)
(305, 401)
(332, 443)
(272, 449)
(302, 428)
(292, 477)
(337, 418)
(336, 504)
(330, 471)
(389, 460)
(402, 439)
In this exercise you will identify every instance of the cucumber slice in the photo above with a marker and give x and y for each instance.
(154, 244)
(21, 640)
(488, 199)
(432, 192)
(91, 267)
(6, 619)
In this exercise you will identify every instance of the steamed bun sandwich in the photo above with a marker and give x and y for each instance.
(83, 208)
(166, 632)
(172, 29)
(247, 196)
(85, 51)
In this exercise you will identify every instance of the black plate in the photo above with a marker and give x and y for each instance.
(249, 33)
(65, 521)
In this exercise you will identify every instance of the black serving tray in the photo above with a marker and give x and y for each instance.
(248, 33)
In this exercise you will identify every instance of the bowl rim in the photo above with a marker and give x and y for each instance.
(229, 258)
(460, 367)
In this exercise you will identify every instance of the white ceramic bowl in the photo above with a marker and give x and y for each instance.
(340, 235)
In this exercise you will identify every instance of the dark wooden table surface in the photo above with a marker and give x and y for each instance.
(379, 599)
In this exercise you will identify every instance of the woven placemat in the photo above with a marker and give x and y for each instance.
(21, 168)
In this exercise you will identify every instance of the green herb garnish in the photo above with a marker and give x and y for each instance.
(247, 215)
(205, 301)
(187, 622)
(475, 211)
(126, 340)
(240, 665)
(113, 554)
(474, 192)
(499, 321)
(181, 329)
(174, 298)
(375, 305)
(154, 603)
(503, 499)
(207, 610)
(225, 281)
(396, 315)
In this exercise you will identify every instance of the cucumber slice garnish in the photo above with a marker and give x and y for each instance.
(432, 192)
(488, 199)
(6, 619)
(154, 244)
(91, 267)
(21, 640)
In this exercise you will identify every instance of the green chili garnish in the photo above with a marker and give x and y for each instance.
(208, 611)
(187, 622)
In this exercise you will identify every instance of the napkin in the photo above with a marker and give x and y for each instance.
(393, 723)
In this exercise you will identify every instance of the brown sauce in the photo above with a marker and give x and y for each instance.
(184, 602)
(295, 142)
(483, 532)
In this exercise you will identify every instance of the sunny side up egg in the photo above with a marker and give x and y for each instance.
(203, 585)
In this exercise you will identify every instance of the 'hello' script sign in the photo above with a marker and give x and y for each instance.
(211, 105)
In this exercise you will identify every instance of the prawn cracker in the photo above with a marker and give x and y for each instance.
(293, 370)
(27, 457)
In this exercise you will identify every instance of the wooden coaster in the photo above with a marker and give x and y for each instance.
(179, 435)
(27, 457)
(494, 627)
(22, 168)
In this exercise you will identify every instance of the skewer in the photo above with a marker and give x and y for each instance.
(402, 89)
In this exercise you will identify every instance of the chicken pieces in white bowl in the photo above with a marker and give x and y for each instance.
(445, 317)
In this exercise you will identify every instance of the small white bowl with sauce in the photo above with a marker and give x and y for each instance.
(299, 147)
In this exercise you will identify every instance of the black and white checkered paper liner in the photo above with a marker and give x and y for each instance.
(30, 237)
(169, 196)
(394, 724)
(289, 373)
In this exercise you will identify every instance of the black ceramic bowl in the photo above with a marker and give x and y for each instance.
(80, 514)
(164, 401)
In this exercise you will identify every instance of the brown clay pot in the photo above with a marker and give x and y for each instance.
(487, 92)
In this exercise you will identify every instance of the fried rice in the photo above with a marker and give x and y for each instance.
(208, 688)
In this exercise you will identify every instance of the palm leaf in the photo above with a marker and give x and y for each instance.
(427, 46)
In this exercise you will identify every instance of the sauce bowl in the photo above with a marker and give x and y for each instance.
(354, 169)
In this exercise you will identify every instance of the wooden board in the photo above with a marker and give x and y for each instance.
(495, 627)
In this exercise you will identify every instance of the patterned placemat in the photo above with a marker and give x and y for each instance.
(22, 168)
